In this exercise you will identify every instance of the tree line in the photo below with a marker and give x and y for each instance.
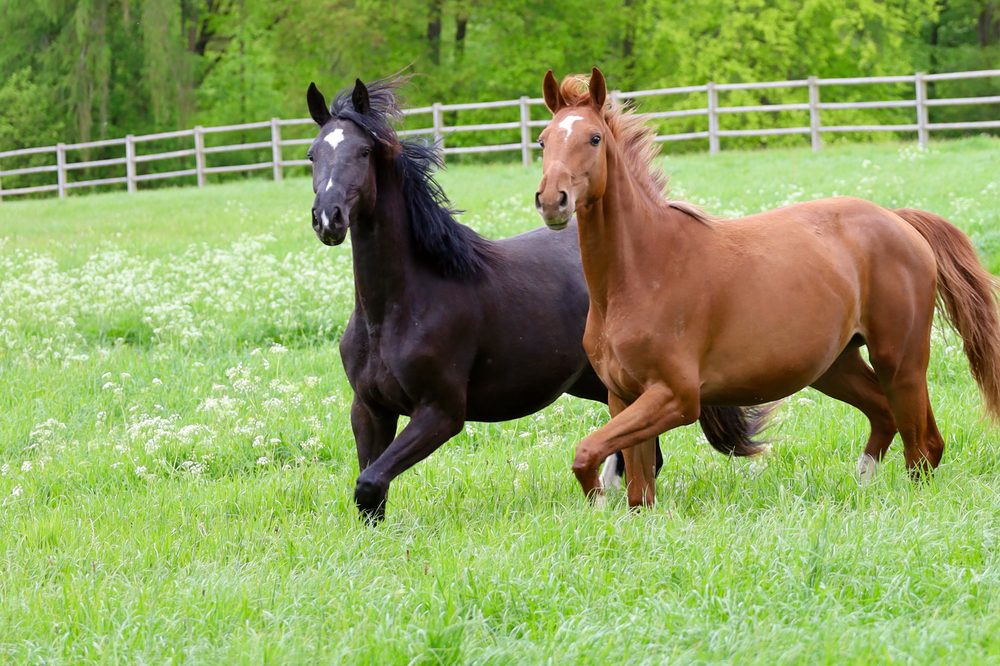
(79, 70)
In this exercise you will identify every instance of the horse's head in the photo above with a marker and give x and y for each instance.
(574, 152)
(343, 164)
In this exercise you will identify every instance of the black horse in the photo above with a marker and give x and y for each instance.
(447, 326)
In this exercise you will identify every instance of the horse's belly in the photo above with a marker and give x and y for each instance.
(513, 385)
(760, 370)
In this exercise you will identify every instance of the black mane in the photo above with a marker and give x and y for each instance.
(452, 248)
(440, 241)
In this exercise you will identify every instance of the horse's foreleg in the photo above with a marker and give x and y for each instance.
(373, 429)
(430, 426)
(657, 410)
(640, 464)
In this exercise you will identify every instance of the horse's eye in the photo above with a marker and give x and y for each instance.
(309, 156)
(541, 143)
(595, 139)
(366, 151)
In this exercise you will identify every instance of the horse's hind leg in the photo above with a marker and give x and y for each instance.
(900, 361)
(851, 380)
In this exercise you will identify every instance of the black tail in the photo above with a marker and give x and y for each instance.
(731, 430)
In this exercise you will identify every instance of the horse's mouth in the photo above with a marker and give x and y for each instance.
(557, 225)
(332, 239)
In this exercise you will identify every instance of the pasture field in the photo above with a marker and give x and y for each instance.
(176, 463)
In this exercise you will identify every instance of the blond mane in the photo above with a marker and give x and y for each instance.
(637, 145)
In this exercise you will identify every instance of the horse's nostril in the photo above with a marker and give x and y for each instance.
(315, 219)
(563, 198)
(538, 199)
(336, 214)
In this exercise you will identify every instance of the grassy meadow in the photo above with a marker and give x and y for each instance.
(177, 466)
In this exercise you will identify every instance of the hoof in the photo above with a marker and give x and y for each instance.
(867, 469)
(370, 500)
(589, 478)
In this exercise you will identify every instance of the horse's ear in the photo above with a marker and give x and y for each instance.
(317, 105)
(359, 98)
(598, 89)
(550, 90)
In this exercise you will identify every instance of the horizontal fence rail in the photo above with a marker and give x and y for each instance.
(137, 164)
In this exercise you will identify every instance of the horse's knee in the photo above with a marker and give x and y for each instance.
(682, 409)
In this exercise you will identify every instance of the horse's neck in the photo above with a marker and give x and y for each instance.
(380, 244)
(624, 236)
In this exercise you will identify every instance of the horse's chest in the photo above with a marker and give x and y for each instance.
(614, 359)
(367, 356)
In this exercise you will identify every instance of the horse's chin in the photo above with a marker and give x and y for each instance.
(332, 239)
(557, 225)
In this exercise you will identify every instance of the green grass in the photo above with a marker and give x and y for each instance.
(176, 464)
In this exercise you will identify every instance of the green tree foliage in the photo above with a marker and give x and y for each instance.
(88, 69)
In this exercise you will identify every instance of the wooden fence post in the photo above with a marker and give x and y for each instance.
(276, 147)
(61, 169)
(525, 132)
(922, 125)
(814, 122)
(713, 118)
(199, 154)
(130, 163)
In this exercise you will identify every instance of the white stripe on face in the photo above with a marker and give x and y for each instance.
(329, 184)
(326, 220)
(567, 124)
(335, 137)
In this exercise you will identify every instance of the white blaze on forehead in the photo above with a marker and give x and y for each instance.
(335, 137)
(567, 124)
(329, 183)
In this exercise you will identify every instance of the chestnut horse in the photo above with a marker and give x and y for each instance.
(688, 311)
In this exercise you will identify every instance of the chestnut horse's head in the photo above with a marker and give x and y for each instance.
(574, 147)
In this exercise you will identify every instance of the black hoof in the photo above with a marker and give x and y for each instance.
(370, 500)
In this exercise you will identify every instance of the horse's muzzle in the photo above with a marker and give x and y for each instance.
(331, 227)
(556, 208)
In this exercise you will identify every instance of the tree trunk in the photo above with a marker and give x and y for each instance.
(988, 24)
(434, 31)
(461, 23)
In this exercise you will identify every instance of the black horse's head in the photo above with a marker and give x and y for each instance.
(354, 132)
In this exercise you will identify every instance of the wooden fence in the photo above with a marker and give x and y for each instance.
(133, 159)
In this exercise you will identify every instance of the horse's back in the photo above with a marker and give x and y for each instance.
(825, 223)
